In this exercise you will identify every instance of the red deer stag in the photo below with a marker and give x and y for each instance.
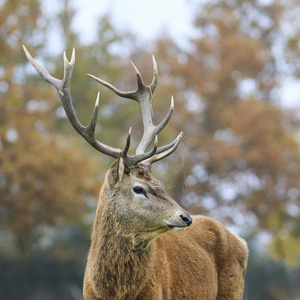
(142, 244)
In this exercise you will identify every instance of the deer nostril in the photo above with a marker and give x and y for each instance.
(187, 220)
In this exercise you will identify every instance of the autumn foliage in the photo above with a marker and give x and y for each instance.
(240, 160)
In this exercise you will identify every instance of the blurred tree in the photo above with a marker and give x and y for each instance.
(246, 144)
(240, 160)
(252, 161)
(44, 176)
(273, 275)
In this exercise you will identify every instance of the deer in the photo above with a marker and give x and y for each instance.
(143, 244)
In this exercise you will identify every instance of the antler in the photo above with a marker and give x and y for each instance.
(143, 95)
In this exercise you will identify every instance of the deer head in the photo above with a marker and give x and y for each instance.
(139, 202)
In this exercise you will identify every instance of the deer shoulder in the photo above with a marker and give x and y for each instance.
(205, 261)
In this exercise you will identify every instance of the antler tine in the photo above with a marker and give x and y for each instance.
(93, 122)
(163, 124)
(63, 88)
(155, 75)
(127, 145)
(130, 95)
(142, 89)
(164, 151)
(151, 130)
(133, 160)
(42, 71)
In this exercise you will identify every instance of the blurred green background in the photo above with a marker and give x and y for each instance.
(239, 162)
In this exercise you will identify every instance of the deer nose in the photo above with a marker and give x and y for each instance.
(187, 220)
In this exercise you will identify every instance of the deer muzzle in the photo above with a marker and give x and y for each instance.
(183, 221)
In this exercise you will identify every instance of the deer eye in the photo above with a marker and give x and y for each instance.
(138, 190)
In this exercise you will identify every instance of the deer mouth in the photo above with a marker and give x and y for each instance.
(185, 221)
(176, 228)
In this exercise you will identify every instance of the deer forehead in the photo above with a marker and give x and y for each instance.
(142, 174)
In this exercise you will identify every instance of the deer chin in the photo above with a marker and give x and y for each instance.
(176, 228)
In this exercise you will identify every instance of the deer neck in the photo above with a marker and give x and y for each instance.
(120, 261)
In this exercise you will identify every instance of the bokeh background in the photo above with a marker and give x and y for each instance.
(233, 67)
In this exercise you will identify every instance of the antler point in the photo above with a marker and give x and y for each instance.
(154, 64)
(172, 103)
(97, 100)
(65, 57)
(73, 57)
(135, 68)
(29, 57)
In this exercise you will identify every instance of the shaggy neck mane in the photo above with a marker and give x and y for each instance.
(120, 261)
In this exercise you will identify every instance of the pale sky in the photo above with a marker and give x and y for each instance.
(146, 20)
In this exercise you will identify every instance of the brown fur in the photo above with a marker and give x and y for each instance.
(131, 258)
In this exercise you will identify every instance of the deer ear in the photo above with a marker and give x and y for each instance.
(116, 171)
